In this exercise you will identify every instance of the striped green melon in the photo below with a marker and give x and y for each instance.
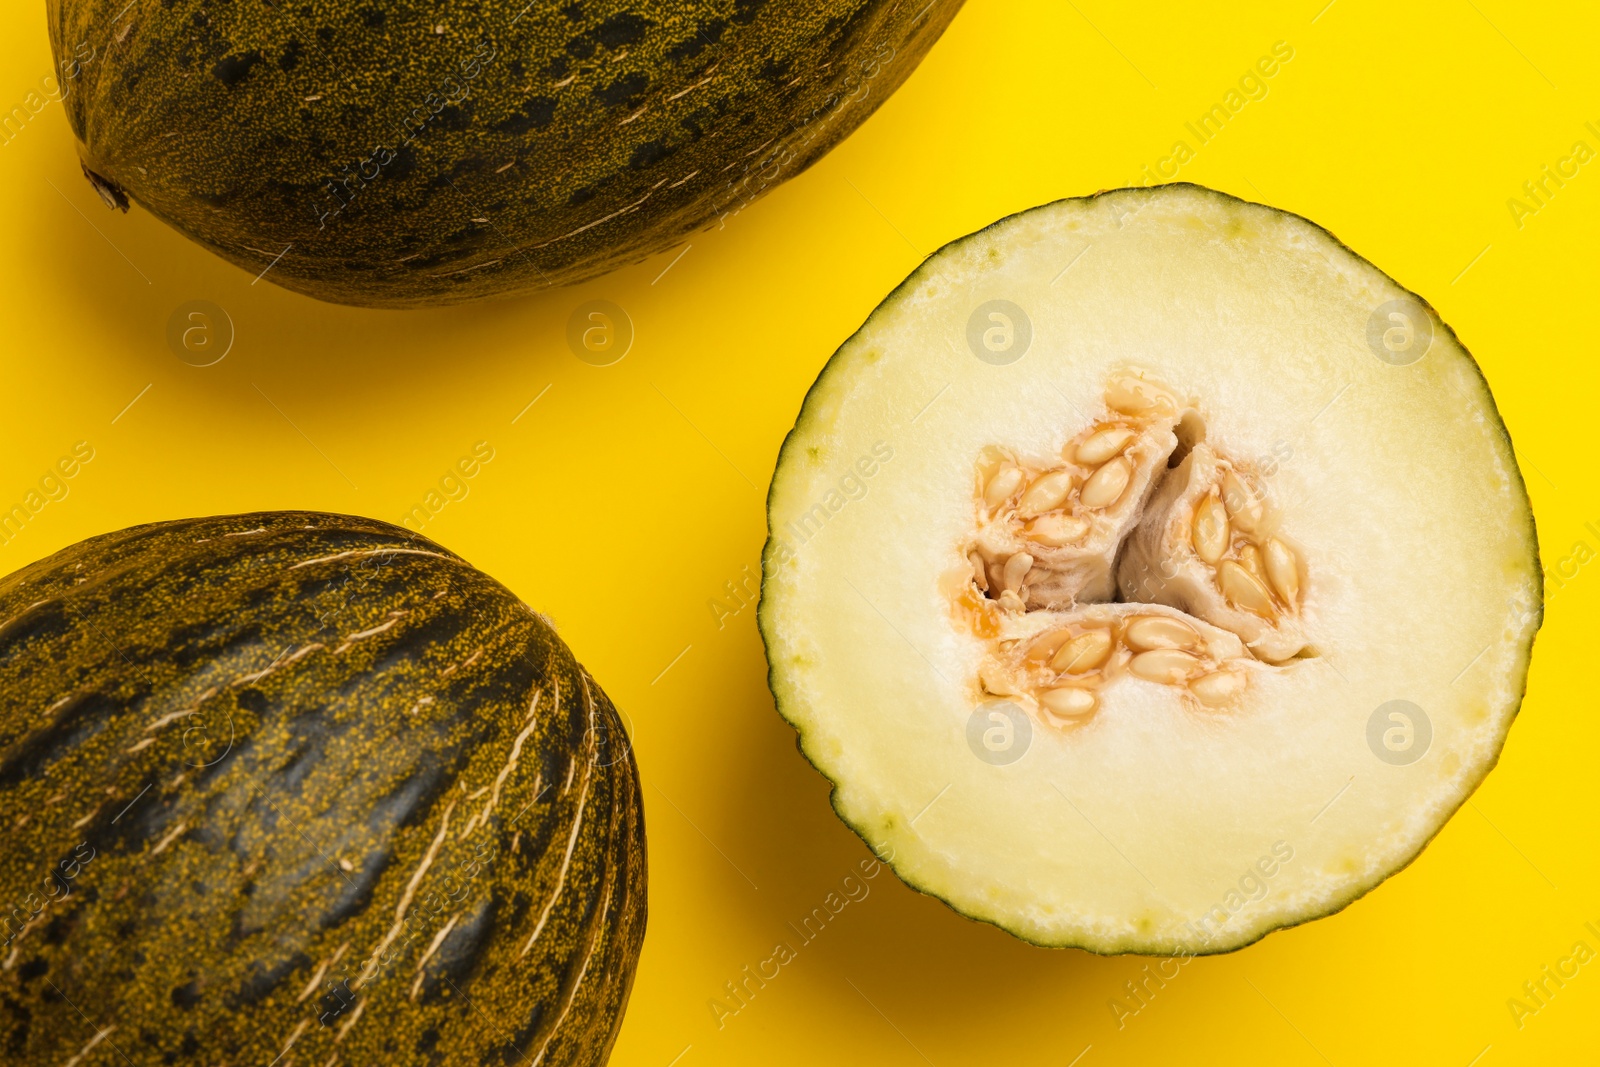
(304, 789)
(406, 152)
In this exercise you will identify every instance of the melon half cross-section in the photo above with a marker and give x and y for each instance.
(1149, 573)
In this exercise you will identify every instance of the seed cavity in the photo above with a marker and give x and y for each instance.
(1040, 535)
(1106, 485)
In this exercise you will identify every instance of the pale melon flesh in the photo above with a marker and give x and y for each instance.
(1308, 489)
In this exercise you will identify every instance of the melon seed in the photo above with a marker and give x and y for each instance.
(979, 578)
(1243, 590)
(1211, 533)
(1102, 445)
(1106, 485)
(1016, 569)
(1046, 494)
(1007, 480)
(1218, 688)
(1250, 560)
(1067, 701)
(1243, 507)
(1083, 653)
(1135, 396)
(1159, 631)
(1283, 571)
(1045, 647)
(996, 680)
(1167, 665)
(1056, 530)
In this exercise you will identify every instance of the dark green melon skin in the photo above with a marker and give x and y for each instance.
(240, 755)
(400, 153)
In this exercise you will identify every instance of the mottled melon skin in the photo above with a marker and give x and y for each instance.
(351, 721)
(557, 141)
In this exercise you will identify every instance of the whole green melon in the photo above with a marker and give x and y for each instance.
(304, 789)
(408, 152)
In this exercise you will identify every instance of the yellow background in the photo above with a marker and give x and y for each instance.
(625, 498)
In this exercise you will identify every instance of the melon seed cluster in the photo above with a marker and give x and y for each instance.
(1262, 578)
(1048, 532)
(1213, 584)
(1063, 668)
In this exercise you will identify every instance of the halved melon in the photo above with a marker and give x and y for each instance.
(1150, 572)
